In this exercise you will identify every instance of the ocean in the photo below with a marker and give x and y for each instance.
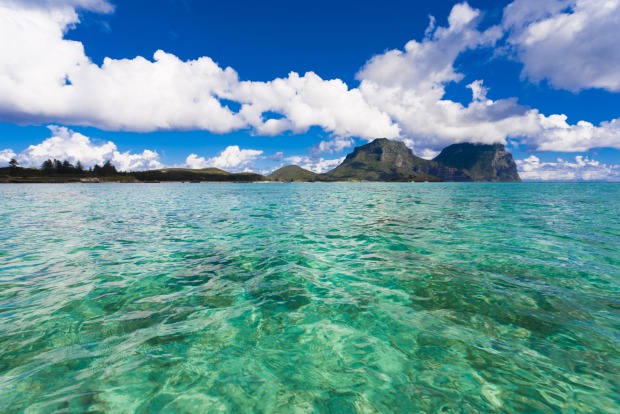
(318, 298)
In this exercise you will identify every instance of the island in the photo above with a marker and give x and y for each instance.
(381, 160)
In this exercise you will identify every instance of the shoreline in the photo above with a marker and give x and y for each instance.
(305, 182)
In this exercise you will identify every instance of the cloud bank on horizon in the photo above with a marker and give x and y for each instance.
(65, 144)
(46, 78)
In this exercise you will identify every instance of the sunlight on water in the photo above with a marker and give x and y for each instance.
(310, 298)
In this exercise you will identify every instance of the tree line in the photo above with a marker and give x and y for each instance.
(65, 167)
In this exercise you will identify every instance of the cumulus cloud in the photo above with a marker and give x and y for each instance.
(45, 78)
(315, 164)
(126, 161)
(65, 144)
(581, 169)
(425, 66)
(307, 101)
(337, 144)
(572, 43)
(232, 158)
(555, 134)
(409, 85)
(5, 157)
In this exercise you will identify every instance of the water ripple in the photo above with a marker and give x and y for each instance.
(310, 298)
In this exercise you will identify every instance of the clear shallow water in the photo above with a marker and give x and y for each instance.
(310, 298)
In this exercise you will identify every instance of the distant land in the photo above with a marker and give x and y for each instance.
(385, 160)
(380, 160)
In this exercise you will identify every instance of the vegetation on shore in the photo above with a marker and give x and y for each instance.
(206, 174)
(56, 171)
(379, 160)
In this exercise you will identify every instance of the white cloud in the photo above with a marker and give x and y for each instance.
(409, 85)
(572, 43)
(479, 92)
(581, 169)
(126, 161)
(195, 162)
(231, 159)
(47, 78)
(307, 101)
(278, 156)
(520, 12)
(428, 154)
(100, 6)
(425, 66)
(69, 145)
(315, 164)
(5, 157)
(65, 144)
(555, 134)
(336, 144)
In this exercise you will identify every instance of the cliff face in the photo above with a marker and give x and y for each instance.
(482, 162)
(444, 173)
(385, 160)
(381, 160)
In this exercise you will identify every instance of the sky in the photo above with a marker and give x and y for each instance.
(257, 85)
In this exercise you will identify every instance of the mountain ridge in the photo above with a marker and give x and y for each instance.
(386, 160)
(380, 160)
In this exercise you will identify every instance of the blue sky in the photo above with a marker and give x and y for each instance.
(519, 72)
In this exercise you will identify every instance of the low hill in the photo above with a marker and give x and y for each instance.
(291, 173)
(207, 174)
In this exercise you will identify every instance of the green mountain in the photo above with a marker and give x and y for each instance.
(385, 160)
(442, 172)
(482, 162)
(381, 160)
(292, 173)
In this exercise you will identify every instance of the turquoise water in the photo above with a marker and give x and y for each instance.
(310, 298)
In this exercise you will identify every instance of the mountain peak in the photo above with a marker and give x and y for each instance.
(483, 162)
(387, 160)
(381, 160)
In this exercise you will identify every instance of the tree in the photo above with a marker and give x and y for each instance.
(13, 163)
(108, 168)
(57, 166)
(79, 167)
(48, 166)
(67, 167)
